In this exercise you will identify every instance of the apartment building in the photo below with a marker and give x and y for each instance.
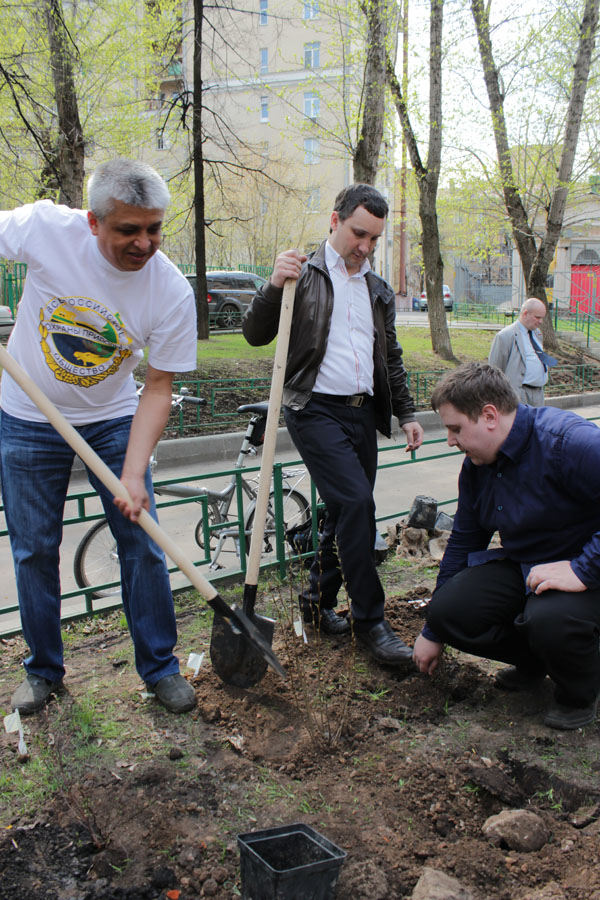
(281, 92)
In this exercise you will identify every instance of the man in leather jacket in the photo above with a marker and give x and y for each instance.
(344, 380)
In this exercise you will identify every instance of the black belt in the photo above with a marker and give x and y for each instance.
(346, 399)
(533, 387)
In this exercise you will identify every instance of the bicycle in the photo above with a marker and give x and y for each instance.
(96, 559)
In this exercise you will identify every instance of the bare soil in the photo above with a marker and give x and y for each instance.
(120, 800)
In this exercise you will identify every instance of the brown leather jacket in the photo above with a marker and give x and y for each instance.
(313, 305)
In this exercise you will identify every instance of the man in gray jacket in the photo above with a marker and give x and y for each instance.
(344, 379)
(517, 350)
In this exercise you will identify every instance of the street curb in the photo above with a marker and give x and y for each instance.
(225, 447)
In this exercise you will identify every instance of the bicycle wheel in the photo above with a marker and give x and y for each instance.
(296, 512)
(96, 560)
(213, 518)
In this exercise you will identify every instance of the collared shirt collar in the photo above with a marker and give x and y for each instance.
(333, 259)
(519, 434)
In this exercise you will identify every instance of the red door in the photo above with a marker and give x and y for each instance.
(585, 289)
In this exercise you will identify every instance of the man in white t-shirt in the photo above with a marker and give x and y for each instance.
(98, 291)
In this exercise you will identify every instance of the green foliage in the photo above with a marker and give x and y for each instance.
(117, 52)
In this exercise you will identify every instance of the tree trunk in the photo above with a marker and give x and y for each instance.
(198, 159)
(366, 154)
(70, 151)
(428, 179)
(535, 260)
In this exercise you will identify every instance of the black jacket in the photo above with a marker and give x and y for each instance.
(311, 321)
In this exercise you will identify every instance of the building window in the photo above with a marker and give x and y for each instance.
(311, 9)
(313, 203)
(264, 109)
(160, 140)
(264, 11)
(264, 60)
(311, 152)
(312, 105)
(311, 55)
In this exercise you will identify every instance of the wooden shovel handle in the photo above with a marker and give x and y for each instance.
(268, 453)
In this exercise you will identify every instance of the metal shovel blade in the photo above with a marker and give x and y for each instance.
(234, 658)
(240, 644)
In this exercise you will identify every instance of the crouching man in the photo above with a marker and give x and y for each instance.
(532, 475)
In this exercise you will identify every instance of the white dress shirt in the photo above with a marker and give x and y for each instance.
(535, 373)
(347, 367)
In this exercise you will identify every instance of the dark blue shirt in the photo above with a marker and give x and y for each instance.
(542, 494)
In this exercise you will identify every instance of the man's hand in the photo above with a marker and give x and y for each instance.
(414, 435)
(148, 422)
(287, 265)
(136, 487)
(557, 576)
(427, 655)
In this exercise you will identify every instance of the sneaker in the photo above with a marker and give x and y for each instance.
(568, 718)
(174, 693)
(514, 679)
(33, 694)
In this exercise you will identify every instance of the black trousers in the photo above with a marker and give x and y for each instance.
(338, 444)
(485, 610)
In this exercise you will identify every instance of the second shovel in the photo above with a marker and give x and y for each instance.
(233, 657)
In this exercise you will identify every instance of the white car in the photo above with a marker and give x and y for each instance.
(448, 301)
(6, 320)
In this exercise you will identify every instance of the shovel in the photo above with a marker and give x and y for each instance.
(237, 621)
(236, 660)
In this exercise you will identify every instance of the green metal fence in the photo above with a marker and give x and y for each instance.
(217, 415)
(82, 509)
(86, 605)
(12, 277)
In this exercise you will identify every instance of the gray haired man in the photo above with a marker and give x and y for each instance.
(518, 351)
(98, 291)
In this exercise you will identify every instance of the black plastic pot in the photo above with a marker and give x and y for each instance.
(291, 862)
(423, 513)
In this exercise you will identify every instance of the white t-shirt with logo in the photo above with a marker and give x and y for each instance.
(82, 324)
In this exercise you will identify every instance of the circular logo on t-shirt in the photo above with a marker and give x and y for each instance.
(83, 341)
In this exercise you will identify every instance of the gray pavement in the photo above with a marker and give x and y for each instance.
(398, 482)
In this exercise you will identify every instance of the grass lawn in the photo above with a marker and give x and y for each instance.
(468, 344)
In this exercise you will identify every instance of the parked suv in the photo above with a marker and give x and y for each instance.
(229, 295)
(448, 301)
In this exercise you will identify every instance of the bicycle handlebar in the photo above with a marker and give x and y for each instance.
(176, 398)
(198, 401)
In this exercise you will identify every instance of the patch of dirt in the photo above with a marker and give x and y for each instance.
(119, 800)
(237, 382)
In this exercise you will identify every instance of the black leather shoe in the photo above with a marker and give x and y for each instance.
(324, 620)
(384, 645)
(514, 679)
(568, 718)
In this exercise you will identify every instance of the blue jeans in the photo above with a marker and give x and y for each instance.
(35, 467)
